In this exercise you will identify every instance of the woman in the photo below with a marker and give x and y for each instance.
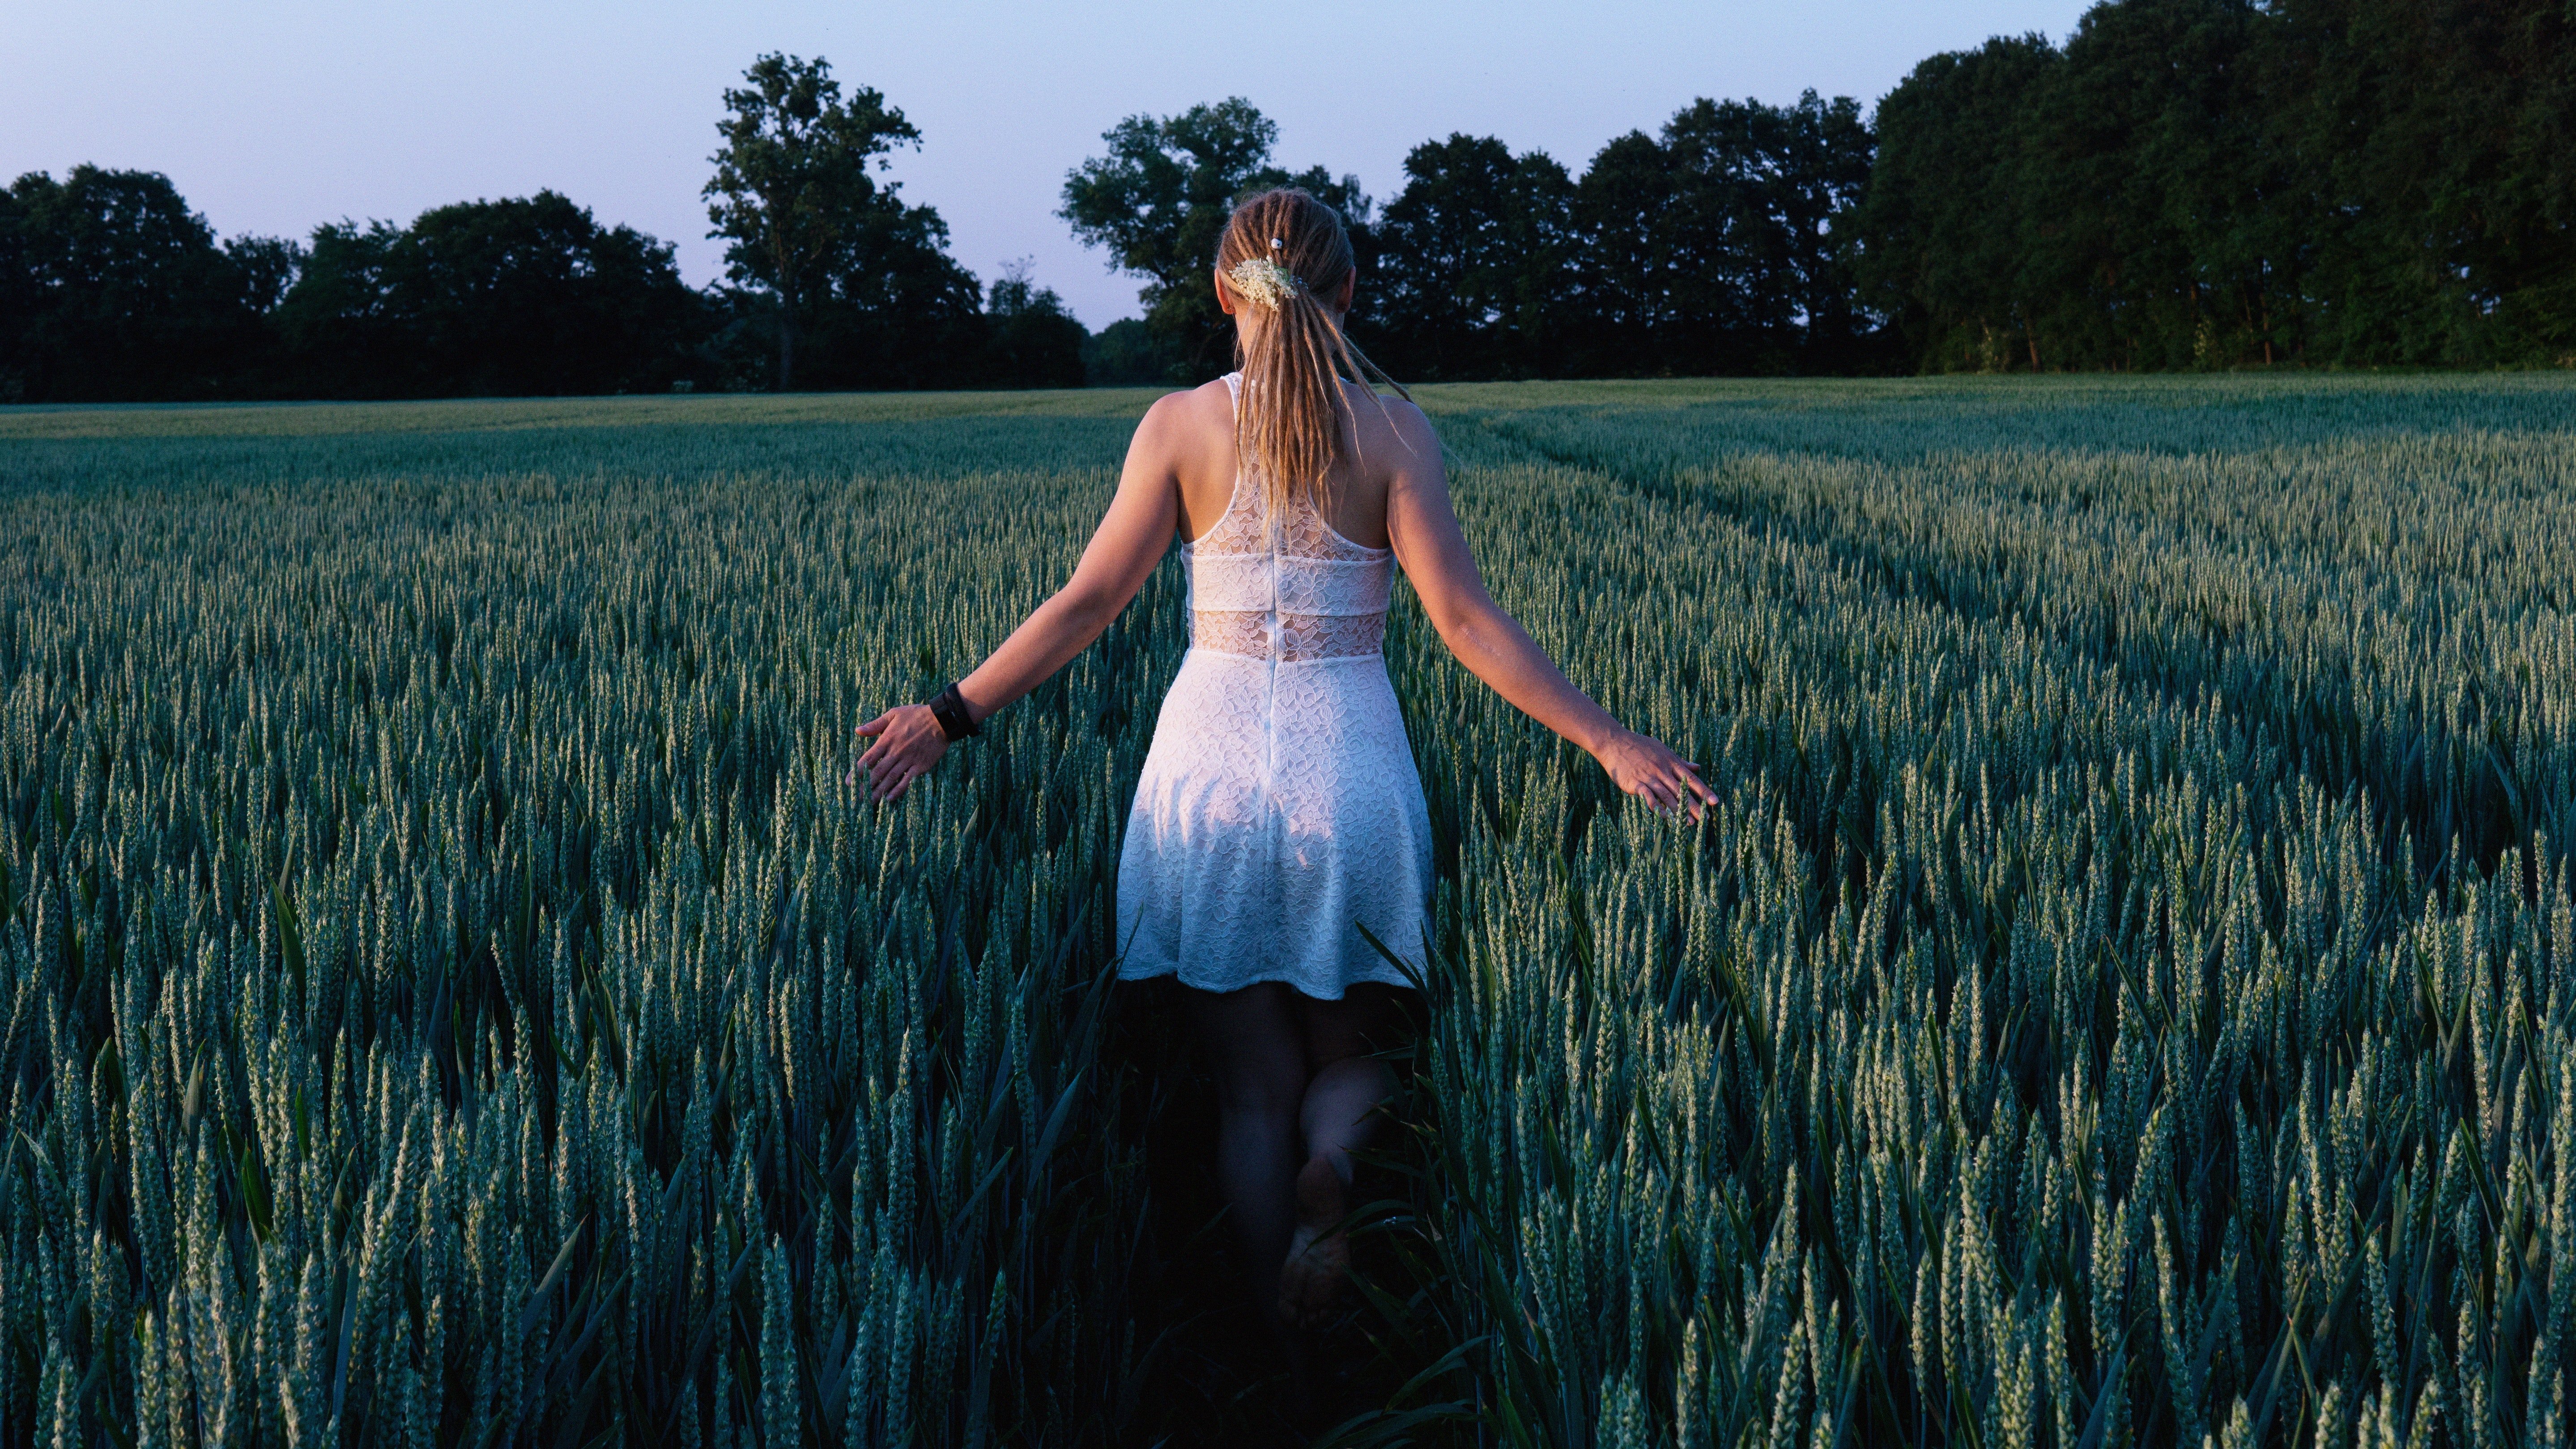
(1278, 809)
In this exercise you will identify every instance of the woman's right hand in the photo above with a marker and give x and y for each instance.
(908, 742)
(1645, 767)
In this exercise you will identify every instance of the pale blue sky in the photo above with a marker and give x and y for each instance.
(276, 116)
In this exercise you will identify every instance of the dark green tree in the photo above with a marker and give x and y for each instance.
(1763, 201)
(115, 291)
(2206, 183)
(268, 266)
(2142, 190)
(792, 193)
(1725, 245)
(340, 325)
(1473, 275)
(535, 296)
(1624, 257)
(1127, 353)
(493, 298)
(1158, 203)
(894, 309)
(1036, 343)
(22, 293)
(1827, 153)
(1730, 309)
(2433, 148)
(1945, 224)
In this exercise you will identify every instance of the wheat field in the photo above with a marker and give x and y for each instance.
(455, 994)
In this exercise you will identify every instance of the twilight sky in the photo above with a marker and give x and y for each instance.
(277, 116)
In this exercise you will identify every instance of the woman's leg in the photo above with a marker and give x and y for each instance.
(1256, 1049)
(1349, 1085)
(1339, 1113)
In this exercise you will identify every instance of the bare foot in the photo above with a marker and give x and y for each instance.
(1310, 1282)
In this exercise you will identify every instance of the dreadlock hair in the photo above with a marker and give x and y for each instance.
(1291, 425)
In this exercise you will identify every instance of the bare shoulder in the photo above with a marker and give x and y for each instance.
(1187, 420)
(1181, 431)
(1413, 425)
(1394, 429)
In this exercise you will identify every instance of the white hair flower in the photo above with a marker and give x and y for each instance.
(1261, 280)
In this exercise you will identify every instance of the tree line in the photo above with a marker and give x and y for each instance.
(112, 289)
(2210, 183)
(1711, 248)
(2181, 184)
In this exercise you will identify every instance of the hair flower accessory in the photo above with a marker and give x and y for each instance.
(1259, 279)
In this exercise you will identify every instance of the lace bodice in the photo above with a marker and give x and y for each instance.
(1297, 592)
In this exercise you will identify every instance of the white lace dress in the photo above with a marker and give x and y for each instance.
(1279, 807)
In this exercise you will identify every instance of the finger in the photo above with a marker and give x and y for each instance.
(872, 727)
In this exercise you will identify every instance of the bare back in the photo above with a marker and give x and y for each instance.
(1355, 493)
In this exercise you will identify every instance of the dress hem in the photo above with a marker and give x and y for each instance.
(1380, 973)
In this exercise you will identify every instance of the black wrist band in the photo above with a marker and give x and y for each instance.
(949, 708)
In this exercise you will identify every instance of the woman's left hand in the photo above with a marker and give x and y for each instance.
(908, 742)
(1646, 768)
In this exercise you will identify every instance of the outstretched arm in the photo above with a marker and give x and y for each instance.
(1123, 551)
(1496, 649)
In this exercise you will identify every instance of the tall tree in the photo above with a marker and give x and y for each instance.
(1036, 343)
(2141, 188)
(1945, 222)
(1473, 273)
(22, 292)
(895, 309)
(2204, 183)
(341, 325)
(1724, 245)
(268, 266)
(1624, 256)
(1731, 312)
(116, 291)
(1764, 200)
(1158, 204)
(532, 295)
(2434, 148)
(792, 183)
(493, 298)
